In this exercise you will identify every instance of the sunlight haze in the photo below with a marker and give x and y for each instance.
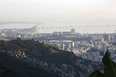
(58, 12)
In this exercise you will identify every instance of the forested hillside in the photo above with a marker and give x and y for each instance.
(29, 58)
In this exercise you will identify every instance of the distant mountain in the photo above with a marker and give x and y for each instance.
(31, 58)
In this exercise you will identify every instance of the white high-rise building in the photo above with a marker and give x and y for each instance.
(72, 44)
(63, 47)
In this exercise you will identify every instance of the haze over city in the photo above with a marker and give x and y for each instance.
(58, 13)
(57, 38)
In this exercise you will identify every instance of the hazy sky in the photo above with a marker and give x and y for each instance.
(59, 12)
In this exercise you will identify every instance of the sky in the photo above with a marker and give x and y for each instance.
(57, 12)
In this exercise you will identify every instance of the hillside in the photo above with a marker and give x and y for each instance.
(35, 56)
(18, 68)
(6, 72)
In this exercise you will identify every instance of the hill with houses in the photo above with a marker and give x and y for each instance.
(29, 58)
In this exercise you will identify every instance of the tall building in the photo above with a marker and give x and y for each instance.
(95, 43)
(97, 47)
(68, 45)
(73, 31)
(102, 39)
(106, 37)
(72, 44)
(55, 33)
(63, 47)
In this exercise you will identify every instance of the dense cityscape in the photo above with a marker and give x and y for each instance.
(87, 46)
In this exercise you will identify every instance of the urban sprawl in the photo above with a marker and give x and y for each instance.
(87, 46)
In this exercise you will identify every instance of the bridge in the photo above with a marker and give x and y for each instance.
(69, 27)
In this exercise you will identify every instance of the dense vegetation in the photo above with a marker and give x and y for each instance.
(6, 72)
(34, 49)
(23, 68)
(109, 69)
(43, 52)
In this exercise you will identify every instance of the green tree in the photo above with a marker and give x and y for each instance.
(109, 69)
